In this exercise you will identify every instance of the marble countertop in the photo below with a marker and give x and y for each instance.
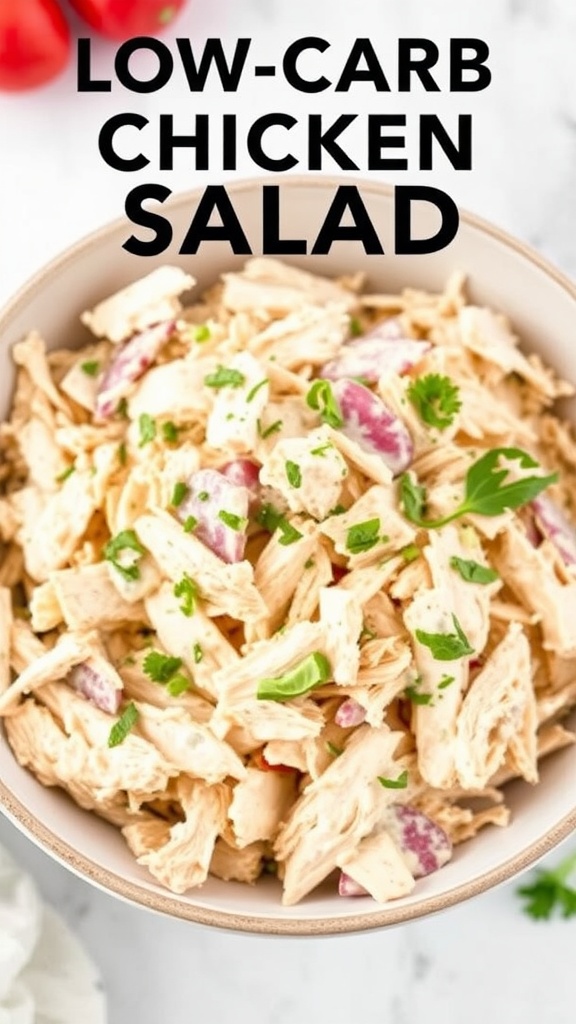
(478, 961)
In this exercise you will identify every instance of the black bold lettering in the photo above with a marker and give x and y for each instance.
(272, 244)
(290, 69)
(215, 198)
(169, 142)
(404, 196)
(377, 142)
(85, 81)
(459, 155)
(213, 53)
(318, 140)
(161, 227)
(106, 142)
(373, 72)
(421, 65)
(122, 64)
(229, 142)
(254, 142)
(477, 63)
(347, 198)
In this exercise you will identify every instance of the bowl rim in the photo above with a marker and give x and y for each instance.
(132, 892)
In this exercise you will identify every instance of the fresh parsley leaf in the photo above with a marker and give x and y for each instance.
(355, 327)
(265, 432)
(225, 377)
(197, 653)
(400, 783)
(122, 727)
(333, 749)
(313, 671)
(362, 536)
(436, 399)
(147, 428)
(189, 524)
(271, 519)
(65, 474)
(473, 572)
(254, 391)
(293, 473)
(410, 553)
(550, 891)
(321, 398)
(486, 492)
(160, 667)
(446, 646)
(179, 493)
(232, 520)
(91, 368)
(187, 589)
(170, 432)
(202, 333)
(124, 541)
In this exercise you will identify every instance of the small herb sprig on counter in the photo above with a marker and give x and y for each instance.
(551, 892)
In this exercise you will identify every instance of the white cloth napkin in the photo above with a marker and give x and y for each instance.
(45, 975)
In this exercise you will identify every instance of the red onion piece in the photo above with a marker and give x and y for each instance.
(96, 687)
(384, 349)
(244, 473)
(373, 426)
(212, 499)
(348, 887)
(555, 526)
(349, 714)
(128, 364)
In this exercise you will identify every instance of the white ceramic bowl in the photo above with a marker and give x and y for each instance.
(503, 274)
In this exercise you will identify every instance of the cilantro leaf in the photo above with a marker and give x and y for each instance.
(400, 783)
(293, 473)
(321, 398)
(551, 891)
(160, 667)
(362, 536)
(122, 727)
(126, 540)
(91, 367)
(187, 589)
(446, 646)
(473, 572)
(313, 671)
(170, 432)
(271, 519)
(436, 400)
(225, 377)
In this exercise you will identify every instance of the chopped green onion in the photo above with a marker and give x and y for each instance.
(333, 749)
(202, 333)
(91, 368)
(187, 589)
(293, 473)
(225, 377)
(170, 432)
(122, 454)
(254, 391)
(232, 520)
(147, 427)
(189, 524)
(355, 327)
(400, 783)
(321, 398)
(267, 431)
(177, 685)
(197, 653)
(179, 493)
(65, 474)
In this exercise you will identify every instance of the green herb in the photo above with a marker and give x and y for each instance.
(550, 891)
(189, 524)
(367, 634)
(446, 646)
(436, 400)
(202, 333)
(187, 589)
(415, 694)
(126, 540)
(178, 685)
(445, 681)
(313, 671)
(179, 493)
(321, 398)
(333, 749)
(197, 654)
(362, 536)
(122, 408)
(267, 431)
(122, 727)
(225, 377)
(232, 520)
(293, 473)
(147, 427)
(122, 454)
(271, 519)
(170, 432)
(355, 327)
(473, 572)
(160, 667)
(254, 391)
(485, 491)
(322, 449)
(91, 367)
(65, 474)
(309, 563)
(410, 552)
(289, 533)
(338, 510)
(203, 496)
(400, 783)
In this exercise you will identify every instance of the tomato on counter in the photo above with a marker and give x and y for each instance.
(120, 19)
(34, 43)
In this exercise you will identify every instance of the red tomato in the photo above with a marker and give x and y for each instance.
(265, 766)
(120, 19)
(34, 43)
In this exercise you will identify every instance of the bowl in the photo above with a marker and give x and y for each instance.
(504, 274)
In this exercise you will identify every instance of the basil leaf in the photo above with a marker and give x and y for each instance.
(313, 671)
(487, 494)
(473, 572)
(446, 646)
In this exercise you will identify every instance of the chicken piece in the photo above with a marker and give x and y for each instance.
(146, 835)
(190, 746)
(309, 336)
(260, 803)
(316, 574)
(307, 471)
(8, 520)
(41, 454)
(89, 600)
(25, 646)
(237, 865)
(336, 811)
(267, 284)
(184, 861)
(377, 506)
(31, 355)
(379, 867)
(233, 421)
(278, 571)
(6, 620)
(341, 618)
(174, 390)
(69, 650)
(148, 301)
(80, 385)
(53, 526)
(498, 716)
(229, 588)
(137, 590)
(291, 753)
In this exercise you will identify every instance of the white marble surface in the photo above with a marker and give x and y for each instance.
(479, 961)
